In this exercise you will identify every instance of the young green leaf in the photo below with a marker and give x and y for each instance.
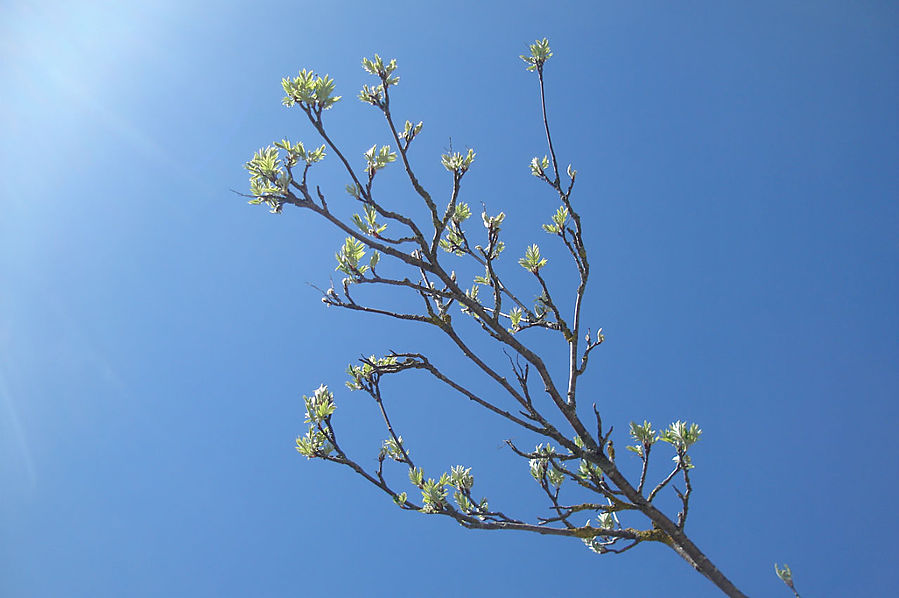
(532, 260)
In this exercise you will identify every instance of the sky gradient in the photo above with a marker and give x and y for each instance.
(737, 175)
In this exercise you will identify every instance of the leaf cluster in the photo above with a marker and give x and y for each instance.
(532, 260)
(375, 94)
(559, 220)
(458, 163)
(376, 159)
(348, 258)
(540, 53)
(319, 408)
(310, 91)
(297, 152)
(369, 224)
(361, 375)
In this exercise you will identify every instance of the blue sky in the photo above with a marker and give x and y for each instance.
(738, 180)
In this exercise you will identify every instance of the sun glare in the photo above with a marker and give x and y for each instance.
(69, 62)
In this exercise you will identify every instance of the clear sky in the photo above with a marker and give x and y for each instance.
(738, 180)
